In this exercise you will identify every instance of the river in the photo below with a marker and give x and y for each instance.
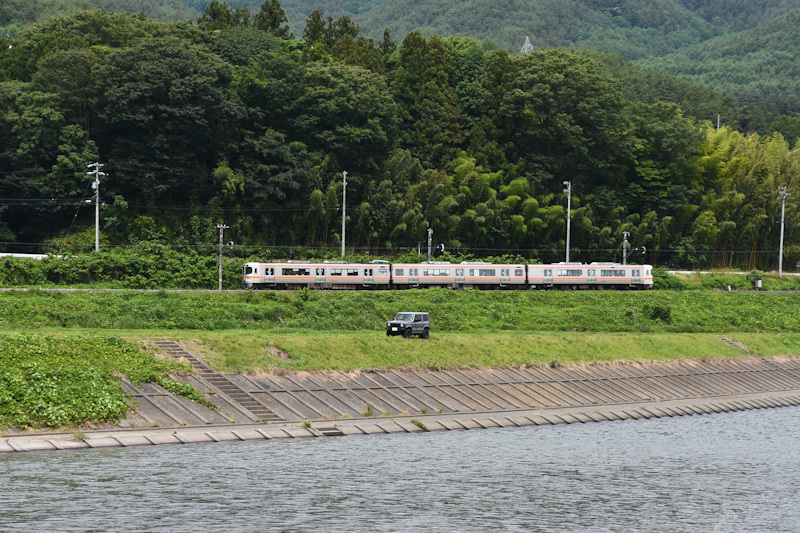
(738, 471)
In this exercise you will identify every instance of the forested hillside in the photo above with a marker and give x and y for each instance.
(234, 121)
(744, 48)
(16, 14)
(760, 66)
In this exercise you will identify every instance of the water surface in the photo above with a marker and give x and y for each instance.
(674, 474)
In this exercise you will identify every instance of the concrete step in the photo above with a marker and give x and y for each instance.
(219, 382)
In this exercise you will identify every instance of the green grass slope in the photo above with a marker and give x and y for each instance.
(451, 311)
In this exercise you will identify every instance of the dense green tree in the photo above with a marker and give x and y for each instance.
(219, 15)
(272, 18)
(563, 116)
(242, 45)
(665, 148)
(314, 31)
(346, 112)
(164, 112)
(428, 106)
(69, 74)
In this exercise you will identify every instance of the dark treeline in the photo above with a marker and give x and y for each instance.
(236, 120)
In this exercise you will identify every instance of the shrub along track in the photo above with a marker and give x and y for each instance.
(298, 404)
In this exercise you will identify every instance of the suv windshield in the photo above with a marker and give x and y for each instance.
(404, 317)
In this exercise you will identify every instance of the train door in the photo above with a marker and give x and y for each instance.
(413, 274)
(635, 275)
(505, 275)
(269, 275)
(368, 276)
(320, 275)
(548, 275)
(459, 275)
(591, 276)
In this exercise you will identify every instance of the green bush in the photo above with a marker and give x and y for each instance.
(663, 280)
(48, 381)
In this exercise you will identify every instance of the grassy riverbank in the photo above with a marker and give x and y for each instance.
(244, 351)
(67, 373)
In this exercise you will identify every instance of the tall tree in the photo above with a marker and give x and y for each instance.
(272, 18)
(164, 113)
(562, 116)
(219, 15)
(429, 112)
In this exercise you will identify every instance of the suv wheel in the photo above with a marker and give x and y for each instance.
(407, 333)
(425, 333)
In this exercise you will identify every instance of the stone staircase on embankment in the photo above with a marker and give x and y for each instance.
(220, 383)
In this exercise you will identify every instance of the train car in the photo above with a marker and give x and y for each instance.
(466, 275)
(327, 275)
(590, 276)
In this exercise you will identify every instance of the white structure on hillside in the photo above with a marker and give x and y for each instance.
(527, 47)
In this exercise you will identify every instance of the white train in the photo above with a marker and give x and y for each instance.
(465, 275)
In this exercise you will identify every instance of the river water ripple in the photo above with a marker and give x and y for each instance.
(674, 474)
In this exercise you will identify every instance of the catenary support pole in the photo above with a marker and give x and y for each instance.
(222, 228)
(568, 190)
(783, 195)
(625, 235)
(96, 186)
(344, 205)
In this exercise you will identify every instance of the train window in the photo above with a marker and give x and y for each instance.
(569, 272)
(296, 271)
(459, 272)
(399, 271)
(413, 271)
(486, 272)
(270, 271)
(335, 272)
(590, 272)
(248, 270)
(635, 273)
(320, 272)
(612, 273)
(518, 272)
(352, 272)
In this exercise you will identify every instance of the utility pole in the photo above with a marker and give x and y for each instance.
(783, 195)
(222, 228)
(430, 238)
(344, 205)
(96, 186)
(625, 235)
(568, 190)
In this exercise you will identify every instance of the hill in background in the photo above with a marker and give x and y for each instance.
(748, 49)
(15, 14)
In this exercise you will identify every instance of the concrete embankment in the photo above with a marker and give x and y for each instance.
(315, 404)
